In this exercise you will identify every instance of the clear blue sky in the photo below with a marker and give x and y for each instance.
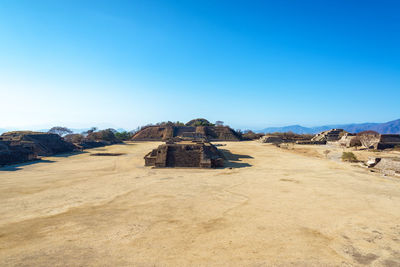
(251, 64)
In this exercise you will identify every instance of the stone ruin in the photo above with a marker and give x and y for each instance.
(390, 165)
(164, 133)
(383, 141)
(271, 139)
(349, 140)
(44, 144)
(192, 154)
(21, 146)
(11, 152)
(387, 141)
(329, 136)
(298, 139)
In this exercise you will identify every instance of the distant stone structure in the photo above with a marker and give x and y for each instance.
(387, 141)
(294, 138)
(329, 136)
(390, 166)
(381, 141)
(349, 140)
(22, 146)
(163, 133)
(185, 154)
(271, 139)
(11, 152)
(43, 144)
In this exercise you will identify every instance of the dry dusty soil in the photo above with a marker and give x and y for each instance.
(272, 207)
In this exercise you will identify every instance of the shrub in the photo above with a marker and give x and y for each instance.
(250, 135)
(123, 136)
(199, 122)
(60, 130)
(292, 136)
(103, 135)
(349, 157)
(74, 138)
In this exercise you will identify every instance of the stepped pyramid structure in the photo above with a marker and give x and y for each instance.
(329, 136)
(166, 132)
(192, 154)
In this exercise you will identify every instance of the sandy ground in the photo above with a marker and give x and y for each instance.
(273, 207)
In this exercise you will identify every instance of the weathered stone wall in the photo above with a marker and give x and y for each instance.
(349, 140)
(184, 154)
(153, 133)
(389, 165)
(161, 133)
(180, 130)
(44, 144)
(220, 133)
(271, 139)
(15, 153)
(331, 135)
(387, 141)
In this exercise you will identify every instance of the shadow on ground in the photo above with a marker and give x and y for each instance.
(17, 167)
(65, 155)
(107, 154)
(235, 160)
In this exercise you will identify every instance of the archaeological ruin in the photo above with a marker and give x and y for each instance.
(329, 136)
(271, 139)
(43, 144)
(387, 141)
(21, 146)
(163, 133)
(349, 140)
(388, 165)
(192, 154)
(11, 152)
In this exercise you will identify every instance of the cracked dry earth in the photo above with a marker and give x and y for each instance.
(271, 207)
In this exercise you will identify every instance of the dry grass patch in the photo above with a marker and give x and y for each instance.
(349, 157)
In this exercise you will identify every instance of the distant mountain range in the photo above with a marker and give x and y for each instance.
(391, 127)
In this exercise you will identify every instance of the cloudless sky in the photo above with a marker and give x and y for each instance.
(250, 64)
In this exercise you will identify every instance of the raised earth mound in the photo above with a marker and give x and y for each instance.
(43, 144)
(163, 133)
(93, 139)
(21, 146)
(185, 154)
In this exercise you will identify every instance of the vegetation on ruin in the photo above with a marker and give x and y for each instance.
(199, 122)
(123, 136)
(74, 138)
(250, 135)
(292, 136)
(60, 130)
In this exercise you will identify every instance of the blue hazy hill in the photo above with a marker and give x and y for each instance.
(391, 127)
